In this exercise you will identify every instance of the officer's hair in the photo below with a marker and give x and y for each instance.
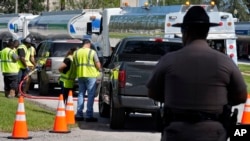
(197, 31)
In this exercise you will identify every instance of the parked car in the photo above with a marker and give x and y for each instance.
(50, 54)
(123, 87)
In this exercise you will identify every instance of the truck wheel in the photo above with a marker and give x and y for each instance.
(158, 120)
(117, 117)
(104, 108)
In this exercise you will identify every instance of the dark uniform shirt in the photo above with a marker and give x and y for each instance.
(196, 77)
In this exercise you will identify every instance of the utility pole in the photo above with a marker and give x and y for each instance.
(62, 5)
(30, 6)
(16, 7)
(47, 5)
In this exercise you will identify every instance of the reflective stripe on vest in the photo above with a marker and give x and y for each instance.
(8, 65)
(68, 79)
(84, 61)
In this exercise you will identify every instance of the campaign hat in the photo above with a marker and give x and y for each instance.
(196, 15)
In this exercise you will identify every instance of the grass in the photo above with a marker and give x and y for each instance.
(245, 69)
(38, 117)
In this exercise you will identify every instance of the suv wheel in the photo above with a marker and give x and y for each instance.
(32, 86)
(104, 108)
(117, 117)
(43, 85)
(43, 88)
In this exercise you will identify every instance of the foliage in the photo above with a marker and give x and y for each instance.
(92, 4)
(24, 6)
(238, 8)
(34, 7)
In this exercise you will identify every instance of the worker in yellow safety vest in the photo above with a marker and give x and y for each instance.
(9, 69)
(67, 74)
(87, 70)
(24, 62)
(31, 65)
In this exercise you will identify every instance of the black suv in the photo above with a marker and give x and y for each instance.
(50, 54)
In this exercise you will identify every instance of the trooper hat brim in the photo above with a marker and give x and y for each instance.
(195, 23)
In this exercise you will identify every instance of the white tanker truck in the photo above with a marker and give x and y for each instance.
(14, 26)
(157, 20)
(55, 32)
(64, 24)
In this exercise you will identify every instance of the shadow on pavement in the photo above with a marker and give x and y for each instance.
(135, 122)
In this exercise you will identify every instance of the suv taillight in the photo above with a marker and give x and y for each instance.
(122, 78)
(48, 65)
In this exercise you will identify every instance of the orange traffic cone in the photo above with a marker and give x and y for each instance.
(60, 124)
(246, 113)
(20, 130)
(70, 115)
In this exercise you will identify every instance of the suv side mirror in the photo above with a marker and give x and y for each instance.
(98, 48)
(89, 28)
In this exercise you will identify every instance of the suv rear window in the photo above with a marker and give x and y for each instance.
(61, 49)
(147, 50)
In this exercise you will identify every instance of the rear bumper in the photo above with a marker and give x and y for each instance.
(140, 104)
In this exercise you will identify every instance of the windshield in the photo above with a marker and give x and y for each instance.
(150, 47)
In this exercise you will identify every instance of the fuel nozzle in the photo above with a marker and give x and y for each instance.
(39, 67)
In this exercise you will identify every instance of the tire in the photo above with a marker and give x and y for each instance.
(32, 86)
(117, 117)
(43, 88)
(104, 108)
(158, 122)
(43, 85)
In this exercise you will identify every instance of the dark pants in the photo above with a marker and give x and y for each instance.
(10, 82)
(199, 131)
(21, 74)
(65, 92)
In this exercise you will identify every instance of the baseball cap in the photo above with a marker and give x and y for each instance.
(86, 41)
(27, 40)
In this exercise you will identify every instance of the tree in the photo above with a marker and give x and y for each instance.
(31, 6)
(92, 4)
(238, 8)
(6, 5)
(24, 6)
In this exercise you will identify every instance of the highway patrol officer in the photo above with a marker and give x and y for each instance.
(195, 83)
(9, 69)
